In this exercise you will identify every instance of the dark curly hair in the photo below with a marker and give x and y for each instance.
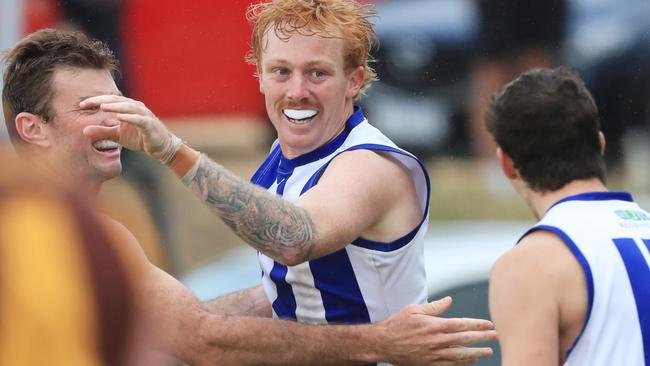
(547, 122)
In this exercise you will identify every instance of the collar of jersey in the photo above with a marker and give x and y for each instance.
(355, 119)
(596, 196)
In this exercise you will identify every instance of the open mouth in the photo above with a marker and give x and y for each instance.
(300, 116)
(106, 145)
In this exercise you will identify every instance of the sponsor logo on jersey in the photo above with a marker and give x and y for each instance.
(632, 215)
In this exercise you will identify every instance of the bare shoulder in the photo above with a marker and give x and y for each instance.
(539, 272)
(111, 225)
(540, 252)
(531, 264)
(369, 161)
(376, 191)
(116, 230)
(379, 176)
(125, 243)
(372, 168)
(537, 285)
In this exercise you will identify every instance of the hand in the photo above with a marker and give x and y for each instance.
(416, 336)
(139, 128)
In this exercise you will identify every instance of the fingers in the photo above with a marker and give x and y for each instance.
(464, 354)
(467, 362)
(101, 99)
(437, 307)
(102, 133)
(116, 104)
(465, 324)
(134, 119)
(128, 107)
(469, 337)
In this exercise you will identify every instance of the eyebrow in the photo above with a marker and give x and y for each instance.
(308, 65)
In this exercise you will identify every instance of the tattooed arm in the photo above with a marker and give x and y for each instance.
(324, 219)
(279, 229)
(269, 223)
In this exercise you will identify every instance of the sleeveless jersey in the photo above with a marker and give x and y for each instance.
(609, 235)
(364, 282)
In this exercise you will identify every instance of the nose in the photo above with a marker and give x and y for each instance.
(298, 88)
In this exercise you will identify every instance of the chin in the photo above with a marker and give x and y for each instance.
(110, 172)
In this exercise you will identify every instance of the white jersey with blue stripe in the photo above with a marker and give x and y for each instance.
(609, 235)
(365, 281)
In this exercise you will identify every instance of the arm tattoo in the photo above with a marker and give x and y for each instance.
(270, 224)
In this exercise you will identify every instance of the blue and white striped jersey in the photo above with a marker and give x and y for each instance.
(609, 235)
(365, 281)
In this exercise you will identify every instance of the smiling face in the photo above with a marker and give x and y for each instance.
(70, 152)
(307, 91)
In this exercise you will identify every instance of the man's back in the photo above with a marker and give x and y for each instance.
(574, 290)
(609, 235)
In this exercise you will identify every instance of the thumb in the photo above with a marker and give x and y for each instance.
(102, 133)
(437, 307)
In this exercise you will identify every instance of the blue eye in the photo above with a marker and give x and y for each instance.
(317, 74)
(280, 71)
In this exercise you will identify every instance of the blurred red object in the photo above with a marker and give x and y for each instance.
(41, 14)
(188, 58)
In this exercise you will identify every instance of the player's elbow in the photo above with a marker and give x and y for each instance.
(296, 251)
(293, 257)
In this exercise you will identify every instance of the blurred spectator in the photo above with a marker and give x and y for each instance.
(515, 35)
(621, 88)
(65, 291)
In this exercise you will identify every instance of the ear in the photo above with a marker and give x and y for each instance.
(31, 129)
(601, 138)
(355, 82)
(507, 165)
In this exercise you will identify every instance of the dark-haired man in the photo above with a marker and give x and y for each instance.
(575, 289)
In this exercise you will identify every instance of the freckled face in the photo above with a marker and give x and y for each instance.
(308, 94)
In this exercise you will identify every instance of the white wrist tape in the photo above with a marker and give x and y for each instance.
(175, 144)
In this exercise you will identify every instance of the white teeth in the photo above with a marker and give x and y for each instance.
(105, 145)
(299, 114)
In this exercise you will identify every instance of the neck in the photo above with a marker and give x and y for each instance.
(89, 190)
(85, 187)
(540, 202)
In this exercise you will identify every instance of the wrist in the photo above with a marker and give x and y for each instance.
(171, 148)
(183, 161)
(371, 347)
(381, 342)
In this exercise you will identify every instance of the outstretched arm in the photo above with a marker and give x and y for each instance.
(270, 224)
(414, 336)
(247, 302)
(183, 327)
(288, 232)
